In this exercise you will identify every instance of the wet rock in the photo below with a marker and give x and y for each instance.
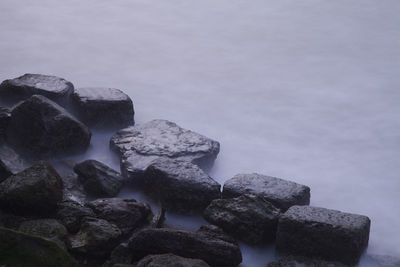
(71, 214)
(247, 218)
(99, 179)
(36, 190)
(103, 107)
(127, 214)
(292, 261)
(23, 87)
(5, 117)
(10, 162)
(44, 129)
(215, 252)
(317, 232)
(158, 219)
(73, 190)
(214, 231)
(169, 260)
(141, 144)
(281, 193)
(180, 185)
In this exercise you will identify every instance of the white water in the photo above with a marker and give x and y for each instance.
(305, 90)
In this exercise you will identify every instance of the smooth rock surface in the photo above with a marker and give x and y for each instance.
(327, 234)
(170, 260)
(44, 129)
(281, 193)
(103, 107)
(247, 218)
(71, 214)
(23, 87)
(215, 252)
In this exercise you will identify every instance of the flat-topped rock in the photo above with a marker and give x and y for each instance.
(180, 185)
(103, 107)
(44, 129)
(170, 260)
(327, 234)
(141, 144)
(23, 87)
(281, 193)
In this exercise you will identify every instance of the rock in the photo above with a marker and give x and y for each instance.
(215, 252)
(10, 162)
(21, 88)
(11, 221)
(328, 234)
(169, 260)
(304, 262)
(158, 219)
(123, 265)
(4, 172)
(103, 107)
(36, 190)
(141, 144)
(44, 129)
(214, 231)
(99, 179)
(127, 214)
(46, 228)
(71, 214)
(180, 185)
(281, 193)
(73, 190)
(247, 218)
(5, 117)
(383, 260)
(19, 249)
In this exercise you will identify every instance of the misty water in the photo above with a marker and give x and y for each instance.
(303, 90)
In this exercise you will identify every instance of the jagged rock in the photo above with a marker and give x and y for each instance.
(292, 261)
(127, 214)
(99, 179)
(46, 228)
(19, 249)
(141, 144)
(103, 107)
(71, 214)
(5, 117)
(248, 218)
(281, 193)
(180, 185)
(327, 234)
(215, 252)
(23, 87)
(10, 162)
(169, 260)
(214, 231)
(43, 129)
(36, 190)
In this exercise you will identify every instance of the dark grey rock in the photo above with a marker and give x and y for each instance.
(44, 129)
(327, 234)
(73, 189)
(214, 231)
(292, 261)
(247, 218)
(281, 193)
(11, 221)
(158, 219)
(127, 214)
(169, 260)
(99, 179)
(23, 87)
(5, 117)
(215, 252)
(141, 144)
(180, 185)
(103, 107)
(11, 162)
(71, 214)
(36, 190)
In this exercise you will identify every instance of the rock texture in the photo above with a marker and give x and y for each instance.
(21, 88)
(248, 218)
(5, 117)
(103, 107)
(71, 214)
(327, 234)
(170, 260)
(281, 193)
(10, 162)
(214, 231)
(44, 129)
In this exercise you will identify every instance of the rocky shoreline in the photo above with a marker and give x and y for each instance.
(49, 218)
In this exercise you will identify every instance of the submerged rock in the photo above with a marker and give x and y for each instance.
(103, 107)
(281, 193)
(23, 87)
(215, 252)
(170, 260)
(327, 234)
(248, 218)
(44, 129)
(71, 214)
(99, 179)
(141, 144)
(36, 190)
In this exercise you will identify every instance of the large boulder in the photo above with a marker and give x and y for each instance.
(215, 252)
(281, 193)
(72, 213)
(327, 234)
(103, 107)
(248, 218)
(5, 117)
(170, 260)
(141, 144)
(44, 129)
(99, 179)
(180, 185)
(21, 88)
(36, 190)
